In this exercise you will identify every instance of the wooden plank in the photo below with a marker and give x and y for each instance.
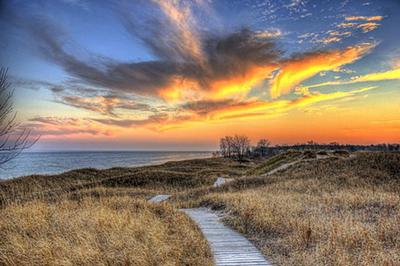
(229, 247)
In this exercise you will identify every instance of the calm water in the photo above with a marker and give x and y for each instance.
(57, 162)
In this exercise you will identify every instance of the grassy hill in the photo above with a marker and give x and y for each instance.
(145, 181)
(333, 211)
(110, 231)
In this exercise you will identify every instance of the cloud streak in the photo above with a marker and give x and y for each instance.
(372, 77)
(50, 127)
(105, 105)
(269, 108)
(364, 18)
(302, 67)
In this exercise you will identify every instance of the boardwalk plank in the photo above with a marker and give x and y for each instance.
(229, 247)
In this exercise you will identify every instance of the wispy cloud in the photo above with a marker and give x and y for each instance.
(103, 104)
(378, 76)
(347, 25)
(320, 97)
(48, 127)
(269, 33)
(300, 68)
(364, 23)
(364, 18)
(330, 39)
(372, 77)
(156, 122)
(367, 27)
(157, 119)
(259, 108)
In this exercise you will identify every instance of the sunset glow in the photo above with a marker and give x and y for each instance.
(178, 75)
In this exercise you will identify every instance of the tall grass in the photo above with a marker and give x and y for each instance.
(327, 212)
(165, 178)
(106, 231)
(338, 210)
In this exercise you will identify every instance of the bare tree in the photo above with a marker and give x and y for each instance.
(262, 146)
(237, 146)
(13, 139)
(229, 143)
(223, 147)
(241, 146)
(226, 146)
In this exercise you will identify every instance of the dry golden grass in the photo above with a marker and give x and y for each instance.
(91, 217)
(168, 178)
(325, 212)
(341, 210)
(105, 231)
(275, 162)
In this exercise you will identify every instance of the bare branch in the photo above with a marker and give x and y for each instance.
(13, 139)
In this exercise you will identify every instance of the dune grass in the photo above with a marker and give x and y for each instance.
(326, 212)
(101, 217)
(329, 208)
(106, 231)
(274, 162)
(168, 178)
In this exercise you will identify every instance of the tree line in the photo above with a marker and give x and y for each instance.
(239, 146)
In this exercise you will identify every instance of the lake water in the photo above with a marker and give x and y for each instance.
(29, 163)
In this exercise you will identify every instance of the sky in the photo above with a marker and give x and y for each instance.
(179, 75)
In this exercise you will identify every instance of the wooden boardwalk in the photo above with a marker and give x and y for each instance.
(229, 247)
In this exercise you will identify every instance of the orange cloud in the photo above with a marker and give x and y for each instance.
(263, 108)
(232, 86)
(221, 111)
(366, 24)
(337, 33)
(318, 97)
(387, 75)
(250, 109)
(347, 25)
(239, 86)
(367, 27)
(372, 77)
(182, 90)
(365, 18)
(329, 40)
(334, 36)
(295, 71)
